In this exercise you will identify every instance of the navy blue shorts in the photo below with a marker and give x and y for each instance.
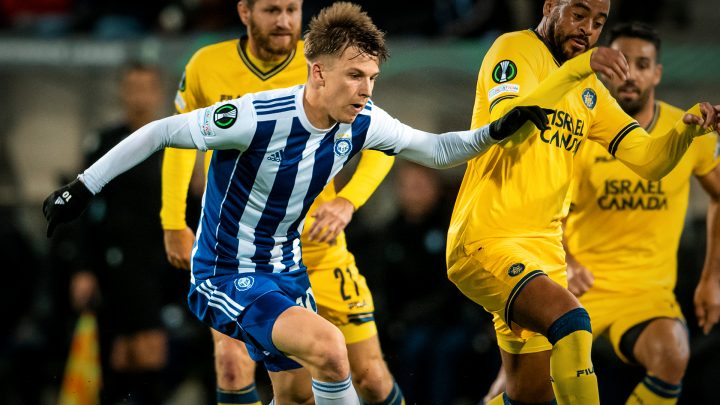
(245, 307)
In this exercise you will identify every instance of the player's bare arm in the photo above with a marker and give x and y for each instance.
(707, 292)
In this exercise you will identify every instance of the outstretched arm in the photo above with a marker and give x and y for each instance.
(171, 131)
(68, 202)
(654, 157)
(452, 148)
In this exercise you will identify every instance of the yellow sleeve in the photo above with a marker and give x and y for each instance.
(552, 89)
(509, 69)
(189, 95)
(177, 168)
(707, 148)
(654, 157)
(178, 164)
(370, 172)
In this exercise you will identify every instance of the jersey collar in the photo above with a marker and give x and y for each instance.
(547, 46)
(256, 70)
(656, 116)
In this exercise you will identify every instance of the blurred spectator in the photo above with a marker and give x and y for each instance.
(117, 259)
(471, 18)
(434, 333)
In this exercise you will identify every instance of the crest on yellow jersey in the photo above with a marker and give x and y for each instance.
(589, 98)
(516, 269)
(504, 71)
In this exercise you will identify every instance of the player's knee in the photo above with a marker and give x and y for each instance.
(330, 354)
(572, 321)
(668, 359)
(234, 368)
(373, 380)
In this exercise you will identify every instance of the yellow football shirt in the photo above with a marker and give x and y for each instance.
(225, 71)
(626, 229)
(518, 192)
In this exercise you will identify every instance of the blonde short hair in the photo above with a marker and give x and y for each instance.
(340, 26)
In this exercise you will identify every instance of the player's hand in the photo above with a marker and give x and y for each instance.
(497, 387)
(609, 62)
(514, 119)
(178, 246)
(707, 302)
(580, 279)
(710, 119)
(331, 218)
(65, 204)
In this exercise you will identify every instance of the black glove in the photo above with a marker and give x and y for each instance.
(66, 204)
(509, 123)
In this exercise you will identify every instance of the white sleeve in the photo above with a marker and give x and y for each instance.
(441, 151)
(215, 127)
(225, 125)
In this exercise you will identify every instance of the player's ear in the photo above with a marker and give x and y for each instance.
(317, 74)
(658, 74)
(243, 12)
(547, 6)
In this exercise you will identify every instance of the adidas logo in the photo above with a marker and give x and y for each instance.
(59, 201)
(277, 156)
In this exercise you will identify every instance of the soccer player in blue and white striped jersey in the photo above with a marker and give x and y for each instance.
(275, 151)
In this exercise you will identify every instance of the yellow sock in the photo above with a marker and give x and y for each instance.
(571, 368)
(498, 400)
(654, 391)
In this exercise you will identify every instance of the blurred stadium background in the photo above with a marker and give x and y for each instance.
(59, 70)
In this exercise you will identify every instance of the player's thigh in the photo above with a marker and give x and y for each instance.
(226, 344)
(246, 308)
(664, 341)
(497, 271)
(292, 387)
(495, 275)
(343, 298)
(308, 338)
(231, 352)
(541, 303)
(634, 313)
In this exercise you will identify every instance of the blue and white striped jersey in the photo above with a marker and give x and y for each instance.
(270, 164)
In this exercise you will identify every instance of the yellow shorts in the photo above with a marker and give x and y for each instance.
(613, 314)
(495, 272)
(344, 299)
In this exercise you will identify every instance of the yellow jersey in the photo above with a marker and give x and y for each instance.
(519, 192)
(626, 229)
(225, 71)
